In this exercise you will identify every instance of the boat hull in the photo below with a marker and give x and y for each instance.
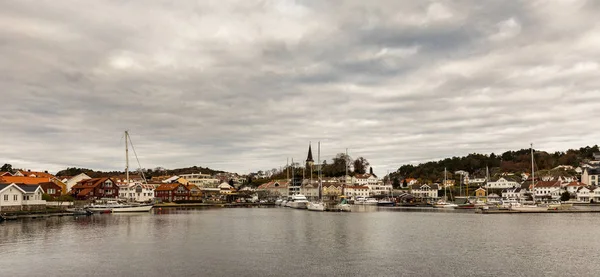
(318, 207)
(298, 205)
(343, 207)
(529, 209)
(133, 209)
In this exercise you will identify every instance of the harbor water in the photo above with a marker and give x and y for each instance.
(370, 241)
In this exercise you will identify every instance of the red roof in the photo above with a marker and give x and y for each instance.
(85, 192)
(576, 184)
(36, 174)
(91, 183)
(23, 180)
(169, 187)
(547, 184)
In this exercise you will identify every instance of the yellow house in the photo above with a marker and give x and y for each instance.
(332, 189)
(480, 193)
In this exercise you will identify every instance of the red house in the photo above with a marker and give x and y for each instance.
(172, 192)
(51, 189)
(95, 188)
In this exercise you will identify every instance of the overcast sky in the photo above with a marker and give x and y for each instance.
(243, 85)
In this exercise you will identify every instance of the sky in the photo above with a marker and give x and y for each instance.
(243, 86)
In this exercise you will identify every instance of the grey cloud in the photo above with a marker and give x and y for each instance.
(242, 85)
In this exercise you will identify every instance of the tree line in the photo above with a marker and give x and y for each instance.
(510, 161)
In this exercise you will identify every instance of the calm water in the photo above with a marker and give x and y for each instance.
(283, 241)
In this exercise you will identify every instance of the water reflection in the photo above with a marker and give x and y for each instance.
(370, 241)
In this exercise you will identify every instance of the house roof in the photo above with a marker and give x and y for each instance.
(28, 188)
(419, 186)
(547, 184)
(363, 176)
(169, 187)
(274, 184)
(90, 183)
(24, 180)
(576, 184)
(36, 174)
(4, 186)
(85, 192)
(2, 173)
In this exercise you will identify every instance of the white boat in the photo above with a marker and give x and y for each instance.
(278, 202)
(359, 200)
(528, 208)
(444, 204)
(114, 207)
(298, 201)
(316, 206)
(343, 206)
(285, 203)
(370, 201)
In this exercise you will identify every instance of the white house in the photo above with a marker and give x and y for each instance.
(513, 194)
(70, 182)
(136, 192)
(425, 191)
(15, 197)
(11, 197)
(547, 189)
(573, 187)
(380, 188)
(502, 183)
(354, 191)
(590, 176)
(364, 179)
(202, 180)
(585, 194)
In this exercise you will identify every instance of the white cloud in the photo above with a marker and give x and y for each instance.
(507, 29)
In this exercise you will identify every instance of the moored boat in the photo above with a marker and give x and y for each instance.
(386, 202)
(316, 206)
(298, 201)
(370, 201)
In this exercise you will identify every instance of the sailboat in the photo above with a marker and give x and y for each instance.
(442, 202)
(534, 207)
(318, 205)
(389, 201)
(113, 205)
(344, 206)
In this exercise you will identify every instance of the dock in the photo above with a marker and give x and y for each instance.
(568, 211)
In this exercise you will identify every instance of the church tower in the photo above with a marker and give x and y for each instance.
(309, 160)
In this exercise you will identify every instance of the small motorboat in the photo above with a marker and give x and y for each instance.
(79, 211)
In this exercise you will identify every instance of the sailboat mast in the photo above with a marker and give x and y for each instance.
(532, 176)
(487, 179)
(345, 176)
(319, 172)
(127, 157)
(445, 186)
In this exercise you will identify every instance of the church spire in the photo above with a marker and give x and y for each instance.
(309, 158)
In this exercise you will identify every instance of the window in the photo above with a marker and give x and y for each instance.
(5, 197)
(15, 197)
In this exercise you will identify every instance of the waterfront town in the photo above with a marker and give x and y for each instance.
(31, 190)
